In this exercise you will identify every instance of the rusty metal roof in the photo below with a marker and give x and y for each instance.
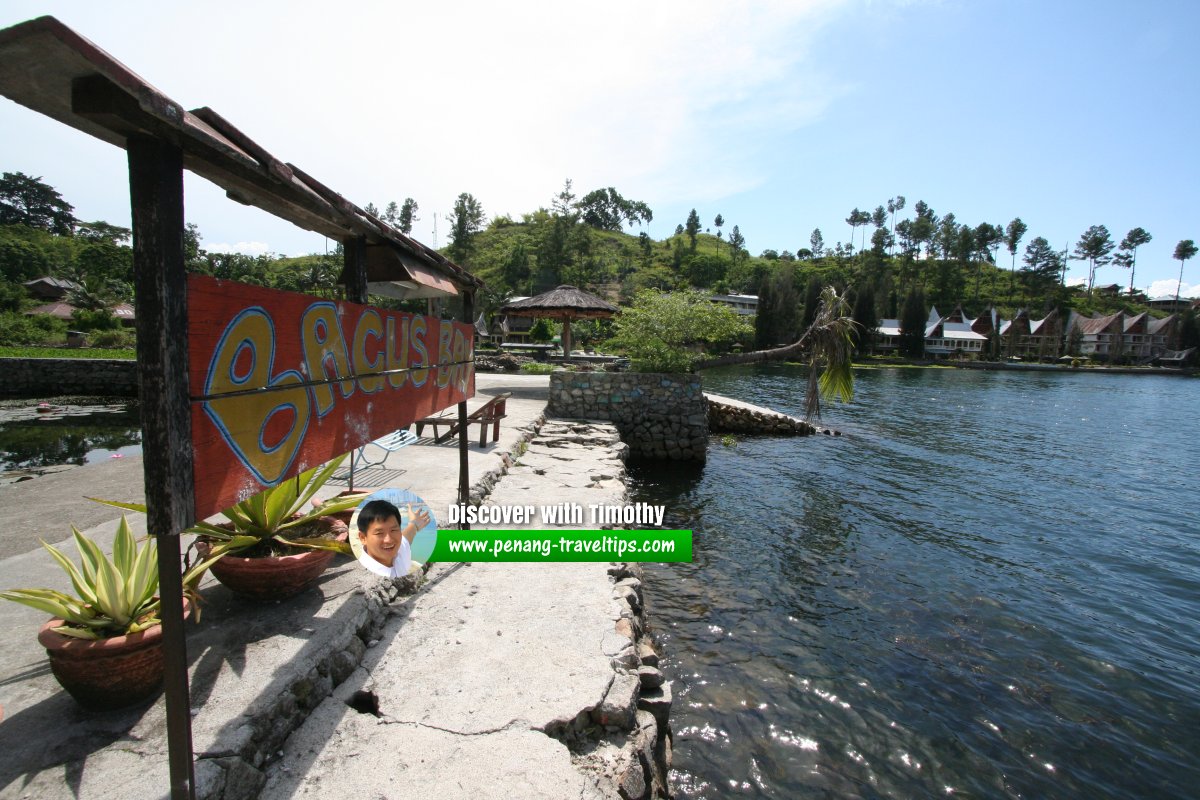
(49, 68)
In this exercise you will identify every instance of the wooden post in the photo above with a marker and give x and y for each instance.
(354, 256)
(160, 292)
(464, 481)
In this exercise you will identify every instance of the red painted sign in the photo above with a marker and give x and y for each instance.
(281, 382)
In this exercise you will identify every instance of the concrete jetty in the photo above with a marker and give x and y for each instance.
(485, 680)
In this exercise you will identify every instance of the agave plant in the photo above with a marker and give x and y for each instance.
(114, 596)
(271, 514)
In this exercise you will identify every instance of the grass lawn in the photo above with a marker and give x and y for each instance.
(66, 352)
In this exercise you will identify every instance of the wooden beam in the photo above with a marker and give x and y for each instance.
(354, 255)
(464, 480)
(160, 300)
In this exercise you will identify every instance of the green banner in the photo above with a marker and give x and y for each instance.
(562, 545)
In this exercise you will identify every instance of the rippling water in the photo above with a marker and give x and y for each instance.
(989, 587)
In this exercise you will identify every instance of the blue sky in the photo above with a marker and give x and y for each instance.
(781, 116)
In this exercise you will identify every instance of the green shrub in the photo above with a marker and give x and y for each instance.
(122, 337)
(12, 296)
(99, 320)
(16, 329)
(542, 331)
(534, 368)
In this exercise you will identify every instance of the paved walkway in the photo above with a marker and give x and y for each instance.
(471, 676)
(467, 673)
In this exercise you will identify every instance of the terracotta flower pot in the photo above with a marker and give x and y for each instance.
(273, 577)
(105, 674)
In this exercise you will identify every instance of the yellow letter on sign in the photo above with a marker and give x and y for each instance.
(263, 429)
(325, 355)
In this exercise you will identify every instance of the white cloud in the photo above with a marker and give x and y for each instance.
(1166, 288)
(664, 100)
(245, 248)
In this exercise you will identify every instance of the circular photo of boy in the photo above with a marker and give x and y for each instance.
(392, 531)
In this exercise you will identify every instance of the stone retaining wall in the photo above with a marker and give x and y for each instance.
(55, 377)
(730, 418)
(659, 415)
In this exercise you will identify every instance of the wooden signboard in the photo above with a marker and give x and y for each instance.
(281, 382)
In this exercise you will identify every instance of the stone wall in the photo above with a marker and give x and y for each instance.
(56, 377)
(733, 417)
(659, 416)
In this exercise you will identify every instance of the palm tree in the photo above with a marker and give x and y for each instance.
(828, 345)
(1183, 251)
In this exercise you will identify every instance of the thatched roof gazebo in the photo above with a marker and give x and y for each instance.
(565, 304)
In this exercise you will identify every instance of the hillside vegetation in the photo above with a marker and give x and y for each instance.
(584, 241)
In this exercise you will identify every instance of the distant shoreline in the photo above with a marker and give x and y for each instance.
(999, 366)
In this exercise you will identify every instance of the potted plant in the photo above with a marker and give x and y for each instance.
(105, 642)
(275, 544)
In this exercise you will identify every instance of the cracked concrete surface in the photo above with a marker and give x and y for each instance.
(471, 677)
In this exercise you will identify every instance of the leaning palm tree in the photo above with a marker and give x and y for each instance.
(826, 347)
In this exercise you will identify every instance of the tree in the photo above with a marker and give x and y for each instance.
(1093, 247)
(1189, 331)
(21, 260)
(607, 210)
(693, 228)
(812, 302)
(391, 214)
(1012, 239)
(816, 243)
(855, 220)
(563, 203)
(865, 320)
(705, 269)
(658, 329)
(1127, 257)
(372, 210)
(912, 324)
(101, 231)
(27, 201)
(542, 331)
(717, 223)
(1183, 251)
(825, 345)
(646, 248)
(1041, 266)
(894, 205)
(879, 217)
(778, 317)
(407, 216)
(947, 237)
(737, 245)
(516, 272)
(466, 220)
(924, 227)
(987, 238)
(881, 241)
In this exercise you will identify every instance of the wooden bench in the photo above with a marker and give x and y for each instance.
(490, 413)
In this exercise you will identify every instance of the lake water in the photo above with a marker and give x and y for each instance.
(988, 587)
(71, 431)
